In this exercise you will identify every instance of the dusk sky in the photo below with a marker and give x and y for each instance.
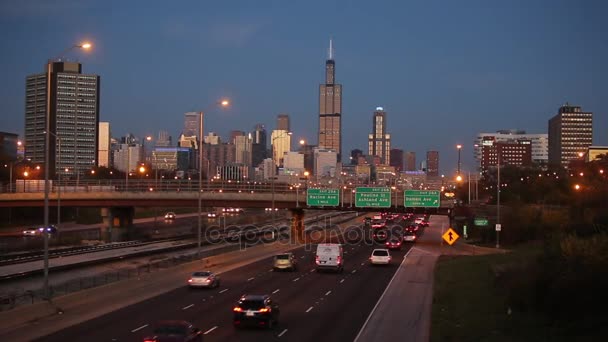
(443, 70)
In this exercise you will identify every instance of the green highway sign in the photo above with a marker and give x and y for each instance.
(373, 197)
(422, 198)
(480, 221)
(323, 197)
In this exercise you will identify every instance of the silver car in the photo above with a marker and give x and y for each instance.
(285, 261)
(204, 279)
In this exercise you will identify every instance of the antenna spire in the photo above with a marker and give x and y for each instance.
(331, 49)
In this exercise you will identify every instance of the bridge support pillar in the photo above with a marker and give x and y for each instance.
(117, 223)
(297, 225)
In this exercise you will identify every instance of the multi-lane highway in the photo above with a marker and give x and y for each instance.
(314, 306)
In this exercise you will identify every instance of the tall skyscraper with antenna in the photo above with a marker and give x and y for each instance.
(330, 108)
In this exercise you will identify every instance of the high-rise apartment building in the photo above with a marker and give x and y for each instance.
(191, 124)
(570, 133)
(283, 122)
(325, 163)
(516, 152)
(242, 148)
(410, 161)
(396, 159)
(539, 143)
(103, 158)
(73, 118)
(432, 163)
(330, 108)
(379, 142)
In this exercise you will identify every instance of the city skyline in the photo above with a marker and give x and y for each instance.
(441, 92)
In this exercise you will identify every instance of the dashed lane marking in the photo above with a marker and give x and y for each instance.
(210, 330)
(187, 307)
(138, 329)
(298, 278)
(341, 281)
(327, 293)
(282, 333)
(275, 291)
(224, 290)
(310, 308)
(250, 279)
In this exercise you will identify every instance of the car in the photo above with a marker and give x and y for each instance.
(409, 236)
(380, 257)
(170, 216)
(174, 331)
(394, 243)
(257, 310)
(377, 224)
(211, 215)
(380, 235)
(51, 230)
(329, 256)
(285, 261)
(412, 228)
(203, 279)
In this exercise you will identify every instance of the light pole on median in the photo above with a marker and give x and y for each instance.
(47, 141)
(222, 103)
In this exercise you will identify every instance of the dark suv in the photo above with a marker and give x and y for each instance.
(257, 310)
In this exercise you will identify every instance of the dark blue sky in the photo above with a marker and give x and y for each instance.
(443, 70)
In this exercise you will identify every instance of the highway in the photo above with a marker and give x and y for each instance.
(314, 306)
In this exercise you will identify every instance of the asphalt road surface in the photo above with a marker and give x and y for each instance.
(314, 306)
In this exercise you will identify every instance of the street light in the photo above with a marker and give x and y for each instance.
(58, 178)
(47, 141)
(222, 103)
(459, 147)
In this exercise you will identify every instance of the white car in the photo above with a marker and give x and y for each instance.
(380, 257)
(170, 216)
(204, 279)
(211, 215)
(31, 232)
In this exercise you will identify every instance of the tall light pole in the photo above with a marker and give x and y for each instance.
(498, 201)
(459, 147)
(47, 141)
(58, 176)
(221, 103)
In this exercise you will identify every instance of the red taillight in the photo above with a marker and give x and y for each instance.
(149, 340)
(317, 259)
(387, 243)
(237, 309)
(265, 310)
(339, 259)
(190, 280)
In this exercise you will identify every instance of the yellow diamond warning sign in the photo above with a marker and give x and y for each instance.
(450, 236)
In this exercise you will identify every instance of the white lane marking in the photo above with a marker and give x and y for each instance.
(282, 333)
(138, 329)
(310, 308)
(298, 278)
(210, 330)
(327, 293)
(224, 290)
(250, 279)
(187, 307)
(270, 270)
(362, 264)
(382, 296)
(302, 257)
(275, 291)
(312, 270)
(341, 281)
(354, 271)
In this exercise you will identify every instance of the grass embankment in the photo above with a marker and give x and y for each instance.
(470, 303)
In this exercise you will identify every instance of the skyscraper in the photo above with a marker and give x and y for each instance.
(104, 145)
(281, 143)
(410, 161)
(570, 133)
(330, 108)
(396, 159)
(432, 163)
(259, 145)
(191, 124)
(74, 118)
(379, 141)
(283, 122)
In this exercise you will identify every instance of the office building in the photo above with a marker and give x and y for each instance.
(515, 152)
(293, 163)
(242, 149)
(283, 122)
(570, 133)
(128, 157)
(379, 142)
(325, 163)
(432, 163)
(234, 134)
(410, 161)
(354, 156)
(73, 118)
(212, 139)
(163, 140)
(281, 143)
(171, 158)
(396, 158)
(191, 124)
(330, 108)
(259, 145)
(104, 159)
(539, 143)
